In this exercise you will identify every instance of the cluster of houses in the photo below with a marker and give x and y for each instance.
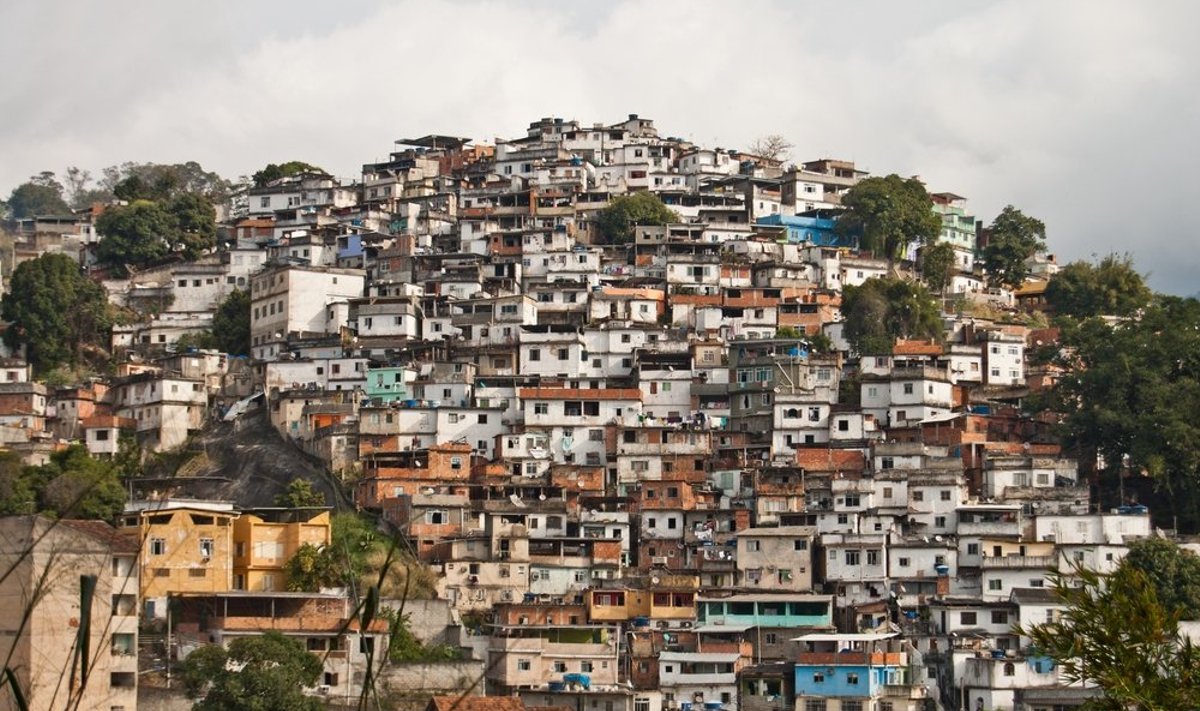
(641, 484)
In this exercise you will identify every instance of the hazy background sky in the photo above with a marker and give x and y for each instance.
(1084, 113)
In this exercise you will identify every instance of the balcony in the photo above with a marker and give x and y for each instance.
(831, 659)
(1016, 562)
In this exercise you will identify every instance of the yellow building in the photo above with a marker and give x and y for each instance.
(184, 546)
(265, 539)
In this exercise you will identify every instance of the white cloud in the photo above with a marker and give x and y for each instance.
(1081, 113)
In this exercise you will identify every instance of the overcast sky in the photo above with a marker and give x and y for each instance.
(1084, 114)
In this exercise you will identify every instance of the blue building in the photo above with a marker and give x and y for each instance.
(801, 229)
(855, 672)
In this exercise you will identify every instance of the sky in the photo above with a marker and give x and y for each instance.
(1083, 113)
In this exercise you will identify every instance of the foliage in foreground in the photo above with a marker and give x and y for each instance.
(1116, 634)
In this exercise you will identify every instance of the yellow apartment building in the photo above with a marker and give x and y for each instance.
(185, 546)
(265, 539)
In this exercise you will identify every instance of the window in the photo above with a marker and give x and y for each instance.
(523, 665)
(850, 679)
(843, 425)
(753, 546)
(939, 521)
(206, 547)
(873, 557)
(945, 495)
(852, 557)
(903, 562)
(918, 496)
(999, 617)
(1009, 669)
(158, 546)
(972, 549)
(815, 704)
(800, 544)
(995, 584)
(967, 618)
(908, 388)
(541, 408)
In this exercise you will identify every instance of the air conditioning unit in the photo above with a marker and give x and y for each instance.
(659, 560)
(323, 689)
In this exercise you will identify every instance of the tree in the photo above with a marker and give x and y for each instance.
(1116, 634)
(1111, 287)
(625, 212)
(1128, 396)
(300, 494)
(231, 323)
(937, 265)
(274, 172)
(883, 309)
(199, 340)
(1013, 237)
(162, 182)
(263, 673)
(195, 224)
(888, 214)
(308, 570)
(773, 147)
(16, 492)
(76, 485)
(55, 312)
(1173, 571)
(41, 195)
(135, 234)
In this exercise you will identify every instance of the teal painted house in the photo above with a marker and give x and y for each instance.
(387, 385)
(767, 610)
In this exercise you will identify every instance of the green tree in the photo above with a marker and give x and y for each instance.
(403, 645)
(195, 224)
(887, 214)
(881, 310)
(55, 312)
(1116, 634)
(40, 195)
(200, 340)
(1111, 287)
(17, 495)
(135, 234)
(76, 485)
(1173, 571)
(231, 323)
(624, 213)
(308, 570)
(937, 265)
(273, 172)
(1013, 237)
(1128, 396)
(264, 673)
(300, 494)
(161, 182)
